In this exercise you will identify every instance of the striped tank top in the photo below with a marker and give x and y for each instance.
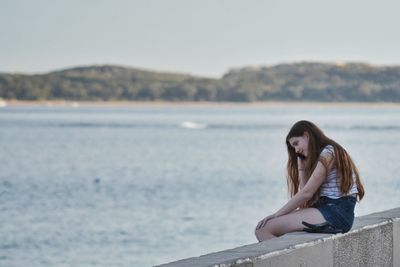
(330, 187)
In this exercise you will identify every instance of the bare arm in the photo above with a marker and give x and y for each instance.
(302, 179)
(307, 189)
(306, 192)
(315, 181)
(301, 165)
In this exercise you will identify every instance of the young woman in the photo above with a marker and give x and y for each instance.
(324, 186)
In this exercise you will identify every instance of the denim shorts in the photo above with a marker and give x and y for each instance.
(339, 212)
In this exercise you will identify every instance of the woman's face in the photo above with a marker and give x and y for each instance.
(300, 144)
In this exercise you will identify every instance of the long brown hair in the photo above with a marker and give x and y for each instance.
(345, 166)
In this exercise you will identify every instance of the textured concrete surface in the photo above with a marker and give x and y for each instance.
(373, 241)
(319, 255)
(370, 247)
(396, 242)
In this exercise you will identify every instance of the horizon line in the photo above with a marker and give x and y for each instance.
(229, 69)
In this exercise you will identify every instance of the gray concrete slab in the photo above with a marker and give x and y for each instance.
(285, 242)
(373, 219)
(370, 247)
(396, 242)
(360, 223)
(318, 255)
(392, 213)
(373, 241)
(213, 259)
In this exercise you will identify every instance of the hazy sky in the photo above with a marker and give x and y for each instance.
(203, 37)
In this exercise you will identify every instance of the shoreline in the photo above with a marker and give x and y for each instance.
(258, 104)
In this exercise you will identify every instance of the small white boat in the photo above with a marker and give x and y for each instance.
(193, 125)
(3, 103)
(75, 104)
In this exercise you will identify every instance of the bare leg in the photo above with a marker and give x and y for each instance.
(289, 223)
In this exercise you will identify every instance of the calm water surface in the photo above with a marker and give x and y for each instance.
(140, 186)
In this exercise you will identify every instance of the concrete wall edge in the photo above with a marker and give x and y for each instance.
(383, 224)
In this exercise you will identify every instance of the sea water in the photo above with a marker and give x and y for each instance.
(141, 186)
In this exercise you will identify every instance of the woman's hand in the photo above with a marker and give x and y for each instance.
(301, 163)
(264, 221)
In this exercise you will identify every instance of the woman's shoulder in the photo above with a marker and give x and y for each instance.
(328, 149)
(327, 156)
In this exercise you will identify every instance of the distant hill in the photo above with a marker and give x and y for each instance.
(284, 82)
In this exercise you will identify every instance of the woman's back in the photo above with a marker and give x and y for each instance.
(331, 187)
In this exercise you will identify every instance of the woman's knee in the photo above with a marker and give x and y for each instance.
(264, 233)
(272, 227)
(260, 231)
(257, 233)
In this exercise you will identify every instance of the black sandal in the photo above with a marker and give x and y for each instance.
(325, 227)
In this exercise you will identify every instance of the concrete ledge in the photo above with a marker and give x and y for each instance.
(373, 241)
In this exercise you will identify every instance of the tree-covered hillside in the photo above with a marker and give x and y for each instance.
(285, 82)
